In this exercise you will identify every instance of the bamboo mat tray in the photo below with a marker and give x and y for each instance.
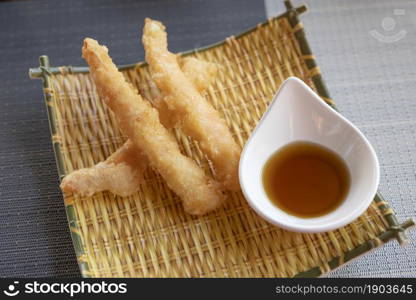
(148, 234)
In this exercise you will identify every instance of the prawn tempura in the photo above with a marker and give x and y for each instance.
(198, 118)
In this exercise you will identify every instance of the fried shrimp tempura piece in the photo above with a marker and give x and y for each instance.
(199, 119)
(200, 73)
(122, 172)
(140, 122)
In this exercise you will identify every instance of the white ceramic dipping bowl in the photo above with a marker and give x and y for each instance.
(298, 114)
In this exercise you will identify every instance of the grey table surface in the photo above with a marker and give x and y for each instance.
(364, 48)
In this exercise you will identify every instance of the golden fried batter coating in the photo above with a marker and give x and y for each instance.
(200, 73)
(198, 118)
(121, 174)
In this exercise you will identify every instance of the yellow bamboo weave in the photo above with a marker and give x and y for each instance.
(148, 234)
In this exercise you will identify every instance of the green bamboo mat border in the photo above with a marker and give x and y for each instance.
(396, 230)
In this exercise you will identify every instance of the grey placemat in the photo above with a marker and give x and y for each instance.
(372, 82)
(34, 236)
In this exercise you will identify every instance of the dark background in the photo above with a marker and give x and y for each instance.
(34, 235)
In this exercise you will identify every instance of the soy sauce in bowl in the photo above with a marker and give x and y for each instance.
(306, 179)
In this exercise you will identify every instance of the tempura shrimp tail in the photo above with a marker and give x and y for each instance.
(199, 119)
(140, 122)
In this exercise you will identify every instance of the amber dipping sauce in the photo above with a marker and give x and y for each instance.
(306, 179)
